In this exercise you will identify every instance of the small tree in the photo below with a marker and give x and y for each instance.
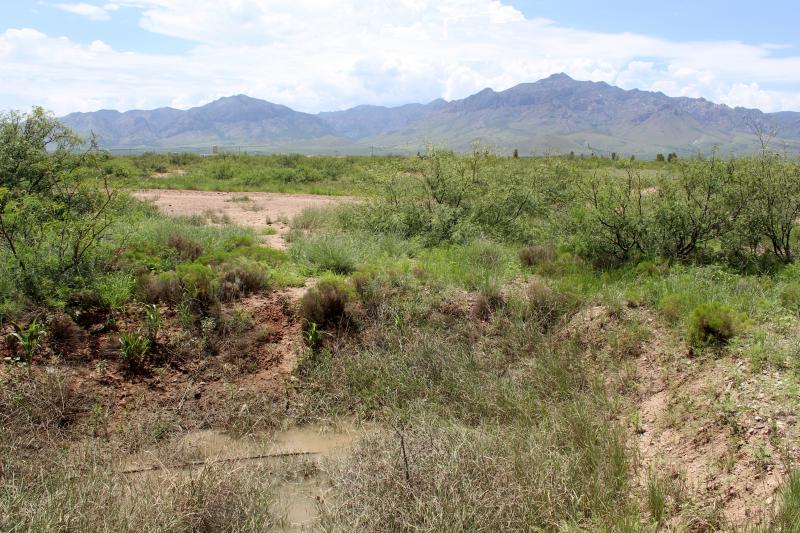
(54, 201)
(515, 155)
(660, 158)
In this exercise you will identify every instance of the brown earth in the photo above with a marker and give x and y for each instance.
(714, 435)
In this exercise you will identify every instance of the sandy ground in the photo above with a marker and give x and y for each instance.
(251, 209)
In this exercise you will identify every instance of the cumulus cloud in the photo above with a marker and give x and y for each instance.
(329, 54)
(91, 11)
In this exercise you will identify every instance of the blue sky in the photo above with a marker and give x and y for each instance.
(329, 54)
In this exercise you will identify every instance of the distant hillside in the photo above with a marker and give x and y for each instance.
(556, 114)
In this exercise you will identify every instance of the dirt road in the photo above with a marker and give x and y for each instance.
(251, 209)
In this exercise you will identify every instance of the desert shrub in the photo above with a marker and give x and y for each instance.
(546, 306)
(672, 306)
(35, 404)
(713, 324)
(63, 333)
(55, 206)
(648, 268)
(199, 283)
(188, 249)
(790, 296)
(242, 277)
(315, 218)
(487, 303)
(326, 304)
(535, 255)
(332, 252)
(159, 288)
(549, 478)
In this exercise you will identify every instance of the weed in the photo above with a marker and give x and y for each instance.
(134, 350)
(29, 338)
(152, 322)
(788, 515)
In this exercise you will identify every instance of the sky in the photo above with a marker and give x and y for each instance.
(319, 55)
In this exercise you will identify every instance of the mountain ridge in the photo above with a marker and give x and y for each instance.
(556, 113)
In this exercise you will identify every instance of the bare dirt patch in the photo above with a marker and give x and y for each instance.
(704, 425)
(251, 209)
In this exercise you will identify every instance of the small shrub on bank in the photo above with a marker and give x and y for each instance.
(63, 333)
(241, 278)
(671, 307)
(713, 324)
(326, 304)
(87, 307)
(547, 306)
(536, 255)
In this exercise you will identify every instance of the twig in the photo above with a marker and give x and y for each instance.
(191, 464)
(405, 457)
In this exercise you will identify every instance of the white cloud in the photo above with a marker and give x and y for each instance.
(91, 11)
(329, 54)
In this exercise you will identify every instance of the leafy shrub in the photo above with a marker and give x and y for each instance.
(713, 324)
(536, 255)
(29, 338)
(152, 322)
(326, 304)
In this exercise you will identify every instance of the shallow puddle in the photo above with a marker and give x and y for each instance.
(296, 452)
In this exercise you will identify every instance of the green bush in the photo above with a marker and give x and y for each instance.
(790, 297)
(713, 324)
(115, 289)
(334, 253)
(327, 304)
(199, 283)
(242, 277)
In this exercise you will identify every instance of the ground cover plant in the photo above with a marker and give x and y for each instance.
(530, 344)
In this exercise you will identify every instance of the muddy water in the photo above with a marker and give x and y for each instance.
(300, 486)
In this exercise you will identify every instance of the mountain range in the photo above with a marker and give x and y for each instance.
(557, 114)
